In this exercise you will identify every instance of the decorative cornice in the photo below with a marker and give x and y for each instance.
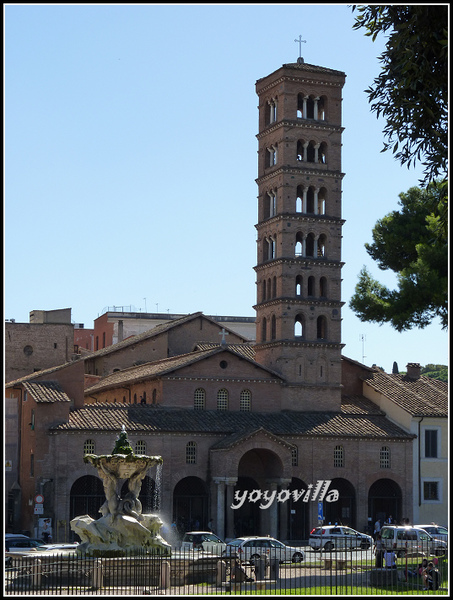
(302, 124)
(303, 262)
(303, 217)
(288, 170)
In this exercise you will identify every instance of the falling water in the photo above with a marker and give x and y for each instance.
(158, 487)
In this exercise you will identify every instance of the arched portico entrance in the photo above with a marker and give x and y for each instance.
(259, 469)
(385, 499)
(344, 509)
(297, 514)
(190, 504)
(86, 497)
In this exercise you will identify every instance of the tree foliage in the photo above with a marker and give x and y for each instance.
(413, 243)
(411, 92)
(436, 372)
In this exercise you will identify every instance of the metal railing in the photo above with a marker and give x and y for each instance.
(336, 572)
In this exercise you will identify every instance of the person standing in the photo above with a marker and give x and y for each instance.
(377, 528)
(379, 550)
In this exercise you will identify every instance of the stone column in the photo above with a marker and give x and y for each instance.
(220, 514)
(229, 529)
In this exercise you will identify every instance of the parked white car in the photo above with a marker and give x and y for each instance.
(202, 540)
(339, 537)
(411, 540)
(251, 549)
(435, 531)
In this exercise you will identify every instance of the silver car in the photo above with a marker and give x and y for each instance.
(251, 549)
(411, 540)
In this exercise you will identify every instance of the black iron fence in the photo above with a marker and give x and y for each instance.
(337, 572)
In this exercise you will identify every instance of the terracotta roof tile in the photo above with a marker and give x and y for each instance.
(419, 397)
(46, 391)
(152, 419)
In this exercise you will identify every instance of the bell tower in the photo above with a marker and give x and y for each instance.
(298, 271)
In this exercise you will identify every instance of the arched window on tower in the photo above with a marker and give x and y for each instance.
(263, 289)
(299, 326)
(273, 327)
(322, 195)
(322, 154)
(271, 156)
(323, 287)
(299, 285)
(274, 287)
(310, 245)
(264, 330)
(311, 286)
(300, 246)
(269, 289)
(310, 201)
(322, 246)
(321, 328)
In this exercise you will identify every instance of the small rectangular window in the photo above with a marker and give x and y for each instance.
(431, 443)
(431, 490)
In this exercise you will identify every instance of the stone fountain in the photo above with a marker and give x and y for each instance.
(122, 529)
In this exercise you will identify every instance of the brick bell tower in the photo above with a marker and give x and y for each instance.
(298, 272)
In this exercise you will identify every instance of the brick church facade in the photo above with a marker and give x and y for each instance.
(283, 415)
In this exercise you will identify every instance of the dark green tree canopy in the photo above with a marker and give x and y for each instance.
(413, 243)
(411, 92)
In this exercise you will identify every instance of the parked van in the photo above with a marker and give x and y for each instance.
(410, 540)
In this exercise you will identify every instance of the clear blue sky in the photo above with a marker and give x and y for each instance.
(131, 158)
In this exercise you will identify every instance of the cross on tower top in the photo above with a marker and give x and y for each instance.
(300, 41)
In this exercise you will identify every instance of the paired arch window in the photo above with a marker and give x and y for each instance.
(271, 111)
(270, 204)
(269, 289)
(384, 457)
(199, 399)
(272, 155)
(311, 245)
(191, 453)
(268, 248)
(89, 447)
(338, 456)
(310, 200)
(311, 152)
(311, 107)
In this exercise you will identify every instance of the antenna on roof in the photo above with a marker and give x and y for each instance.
(362, 338)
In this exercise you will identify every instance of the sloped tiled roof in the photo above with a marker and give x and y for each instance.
(46, 391)
(154, 332)
(152, 419)
(245, 350)
(419, 397)
(163, 367)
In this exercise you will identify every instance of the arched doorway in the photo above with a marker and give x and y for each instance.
(258, 469)
(385, 499)
(86, 497)
(190, 504)
(297, 513)
(344, 509)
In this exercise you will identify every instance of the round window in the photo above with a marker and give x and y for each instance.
(223, 364)
(28, 350)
